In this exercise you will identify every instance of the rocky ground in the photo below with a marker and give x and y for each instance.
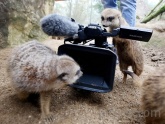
(120, 106)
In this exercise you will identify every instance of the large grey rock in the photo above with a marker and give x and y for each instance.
(4, 23)
(20, 20)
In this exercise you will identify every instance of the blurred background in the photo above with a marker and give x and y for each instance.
(86, 11)
(20, 20)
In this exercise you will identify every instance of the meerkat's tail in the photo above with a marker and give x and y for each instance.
(136, 79)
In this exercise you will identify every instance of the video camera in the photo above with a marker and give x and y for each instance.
(98, 60)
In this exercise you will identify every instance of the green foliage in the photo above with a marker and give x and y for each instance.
(98, 7)
(156, 11)
(83, 11)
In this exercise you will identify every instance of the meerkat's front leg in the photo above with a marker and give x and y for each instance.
(124, 78)
(123, 66)
(45, 98)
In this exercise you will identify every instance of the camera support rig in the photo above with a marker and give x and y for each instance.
(92, 32)
(95, 32)
(98, 60)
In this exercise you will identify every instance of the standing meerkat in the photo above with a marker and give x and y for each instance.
(129, 51)
(35, 68)
(153, 96)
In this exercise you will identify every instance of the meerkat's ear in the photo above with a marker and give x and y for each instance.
(65, 57)
(121, 20)
(62, 76)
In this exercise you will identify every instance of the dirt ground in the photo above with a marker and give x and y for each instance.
(70, 106)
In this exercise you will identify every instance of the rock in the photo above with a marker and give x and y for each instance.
(160, 54)
(153, 54)
(20, 20)
(155, 58)
(4, 22)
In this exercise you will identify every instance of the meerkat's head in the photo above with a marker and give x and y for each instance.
(68, 70)
(111, 18)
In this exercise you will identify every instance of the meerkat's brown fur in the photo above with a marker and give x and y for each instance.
(153, 96)
(33, 67)
(129, 51)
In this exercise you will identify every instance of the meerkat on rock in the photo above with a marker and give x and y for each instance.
(35, 68)
(129, 51)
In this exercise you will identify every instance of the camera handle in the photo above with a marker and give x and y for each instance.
(101, 41)
(82, 36)
(114, 33)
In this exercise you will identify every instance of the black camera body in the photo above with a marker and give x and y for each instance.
(92, 31)
(98, 60)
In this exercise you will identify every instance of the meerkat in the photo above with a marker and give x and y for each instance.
(153, 96)
(129, 51)
(35, 68)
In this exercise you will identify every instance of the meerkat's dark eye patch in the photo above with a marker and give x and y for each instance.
(78, 72)
(110, 18)
(61, 76)
(102, 18)
(73, 20)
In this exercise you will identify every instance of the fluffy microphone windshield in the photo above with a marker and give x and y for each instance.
(57, 25)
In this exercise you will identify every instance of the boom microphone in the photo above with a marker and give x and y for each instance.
(57, 25)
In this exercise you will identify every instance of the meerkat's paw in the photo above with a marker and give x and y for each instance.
(47, 119)
(124, 81)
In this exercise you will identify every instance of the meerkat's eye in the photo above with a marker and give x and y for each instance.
(110, 18)
(102, 18)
